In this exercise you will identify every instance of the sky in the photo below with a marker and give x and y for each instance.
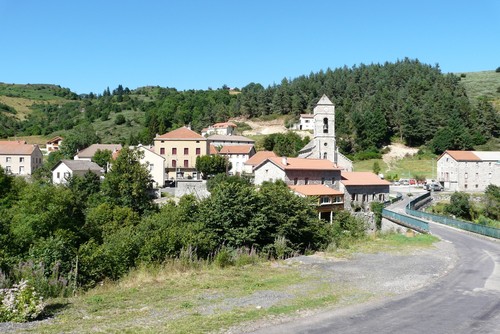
(90, 45)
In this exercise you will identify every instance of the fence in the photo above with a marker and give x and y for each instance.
(471, 227)
(407, 221)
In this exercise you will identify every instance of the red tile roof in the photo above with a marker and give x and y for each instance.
(236, 149)
(54, 140)
(362, 179)
(13, 142)
(304, 164)
(213, 149)
(14, 148)
(90, 151)
(182, 134)
(462, 155)
(315, 190)
(259, 157)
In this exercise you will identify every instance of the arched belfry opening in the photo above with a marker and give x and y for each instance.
(325, 125)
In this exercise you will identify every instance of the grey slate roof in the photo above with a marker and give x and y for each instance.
(80, 165)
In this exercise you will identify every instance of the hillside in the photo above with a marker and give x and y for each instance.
(483, 84)
(406, 101)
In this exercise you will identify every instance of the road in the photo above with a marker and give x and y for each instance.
(466, 300)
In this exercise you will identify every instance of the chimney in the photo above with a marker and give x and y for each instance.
(284, 161)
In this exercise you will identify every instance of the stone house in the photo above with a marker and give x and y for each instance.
(468, 170)
(362, 188)
(222, 140)
(306, 122)
(19, 158)
(298, 171)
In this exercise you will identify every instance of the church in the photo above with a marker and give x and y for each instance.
(323, 144)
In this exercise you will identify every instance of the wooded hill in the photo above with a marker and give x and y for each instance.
(406, 100)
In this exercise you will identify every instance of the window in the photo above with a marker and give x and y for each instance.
(186, 151)
(162, 150)
(21, 169)
(174, 150)
(58, 175)
(322, 180)
(186, 163)
(465, 186)
(198, 151)
(324, 155)
(306, 181)
(21, 159)
(325, 125)
(174, 163)
(466, 175)
(353, 197)
(333, 181)
(151, 167)
(325, 200)
(477, 186)
(8, 159)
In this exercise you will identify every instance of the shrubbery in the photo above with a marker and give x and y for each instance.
(20, 303)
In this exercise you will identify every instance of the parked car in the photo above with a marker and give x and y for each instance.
(412, 182)
(404, 182)
(433, 186)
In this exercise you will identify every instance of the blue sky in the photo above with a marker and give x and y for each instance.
(90, 45)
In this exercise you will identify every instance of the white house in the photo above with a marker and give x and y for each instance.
(237, 155)
(306, 122)
(226, 129)
(256, 160)
(19, 158)
(468, 170)
(66, 169)
(54, 144)
(155, 164)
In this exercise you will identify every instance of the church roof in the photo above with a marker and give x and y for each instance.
(324, 101)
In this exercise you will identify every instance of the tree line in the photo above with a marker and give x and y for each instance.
(375, 104)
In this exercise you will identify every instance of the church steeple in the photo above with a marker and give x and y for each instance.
(324, 129)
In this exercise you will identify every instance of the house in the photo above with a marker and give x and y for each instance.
(180, 148)
(306, 122)
(298, 171)
(237, 155)
(65, 169)
(54, 144)
(155, 164)
(362, 188)
(19, 158)
(468, 170)
(257, 159)
(226, 129)
(323, 144)
(221, 140)
(328, 200)
(89, 152)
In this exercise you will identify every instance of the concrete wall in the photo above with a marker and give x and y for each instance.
(197, 188)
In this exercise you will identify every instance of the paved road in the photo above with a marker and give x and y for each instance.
(467, 300)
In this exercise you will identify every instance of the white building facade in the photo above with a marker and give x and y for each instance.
(469, 171)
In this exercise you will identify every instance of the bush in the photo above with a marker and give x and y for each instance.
(21, 303)
(498, 69)
(120, 119)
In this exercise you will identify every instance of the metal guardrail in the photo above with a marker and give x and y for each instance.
(471, 227)
(407, 221)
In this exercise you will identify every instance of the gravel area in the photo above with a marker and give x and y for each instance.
(381, 276)
(371, 276)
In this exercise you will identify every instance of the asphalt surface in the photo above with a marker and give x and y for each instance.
(466, 300)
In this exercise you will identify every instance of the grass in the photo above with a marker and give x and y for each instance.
(408, 166)
(176, 299)
(485, 84)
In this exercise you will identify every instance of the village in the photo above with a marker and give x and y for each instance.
(320, 170)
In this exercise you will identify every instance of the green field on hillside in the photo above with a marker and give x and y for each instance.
(486, 83)
(408, 167)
